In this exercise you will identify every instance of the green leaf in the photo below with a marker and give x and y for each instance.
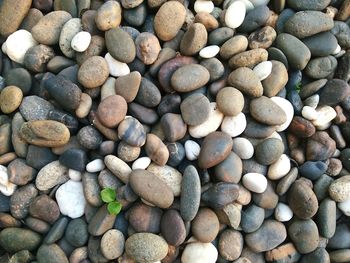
(114, 207)
(108, 195)
(298, 87)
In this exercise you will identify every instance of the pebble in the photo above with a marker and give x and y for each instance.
(248, 58)
(173, 228)
(192, 150)
(94, 166)
(101, 222)
(51, 175)
(243, 148)
(190, 193)
(194, 39)
(120, 45)
(320, 147)
(280, 168)
(69, 30)
(220, 194)
(197, 252)
(234, 125)
(45, 208)
(263, 70)
(10, 99)
(157, 192)
(35, 108)
(93, 72)
(269, 151)
(309, 113)
(76, 232)
(209, 51)
(230, 101)
(344, 207)
(235, 14)
(304, 235)
(146, 247)
(81, 41)
(116, 68)
(230, 169)
(108, 16)
(112, 244)
(147, 48)
(151, 217)
(205, 226)
(18, 43)
(338, 190)
(75, 159)
(203, 6)
(326, 218)
(54, 252)
(255, 182)
(334, 92)
(230, 244)
(283, 213)
(15, 239)
(288, 109)
(270, 235)
(245, 80)
(267, 111)
(112, 110)
(313, 170)
(141, 163)
(20, 201)
(137, 137)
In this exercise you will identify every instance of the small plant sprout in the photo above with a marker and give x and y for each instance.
(108, 195)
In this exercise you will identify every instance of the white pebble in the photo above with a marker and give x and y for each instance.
(210, 125)
(192, 150)
(116, 68)
(248, 5)
(141, 163)
(283, 213)
(243, 148)
(18, 43)
(309, 113)
(81, 41)
(203, 6)
(235, 14)
(263, 69)
(337, 50)
(95, 166)
(288, 109)
(4, 178)
(234, 125)
(312, 101)
(209, 51)
(325, 115)
(280, 168)
(8, 189)
(274, 135)
(197, 252)
(340, 54)
(70, 199)
(74, 175)
(255, 182)
(345, 207)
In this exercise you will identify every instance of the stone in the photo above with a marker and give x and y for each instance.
(230, 244)
(101, 222)
(209, 51)
(215, 148)
(319, 68)
(190, 193)
(255, 18)
(70, 199)
(320, 147)
(15, 239)
(52, 252)
(112, 110)
(235, 14)
(141, 163)
(263, 69)
(10, 99)
(93, 72)
(230, 101)
(205, 226)
(308, 5)
(144, 218)
(76, 232)
(47, 30)
(283, 213)
(245, 80)
(197, 252)
(89, 137)
(173, 126)
(326, 218)
(313, 170)
(157, 192)
(229, 170)
(302, 200)
(304, 235)
(147, 47)
(35, 108)
(173, 228)
(18, 43)
(270, 235)
(156, 150)
(195, 109)
(135, 138)
(194, 39)
(234, 125)
(127, 86)
(148, 94)
(248, 58)
(307, 23)
(75, 159)
(69, 30)
(51, 175)
(267, 111)
(280, 168)
(243, 148)
(120, 45)
(269, 151)
(45, 208)
(108, 16)
(91, 189)
(328, 40)
(220, 194)
(255, 182)
(21, 199)
(283, 252)
(116, 68)
(338, 190)
(81, 41)
(112, 244)
(334, 92)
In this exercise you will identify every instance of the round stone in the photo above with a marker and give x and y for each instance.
(112, 110)
(205, 226)
(194, 39)
(112, 244)
(108, 16)
(209, 51)
(234, 125)
(173, 228)
(269, 151)
(10, 99)
(147, 48)
(255, 182)
(304, 235)
(197, 252)
(81, 41)
(235, 14)
(243, 148)
(339, 189)
(263, 69)
(120, 45)
(93, 72)
(230, 101)
(283, 213)
(195, 109)
(156, 149)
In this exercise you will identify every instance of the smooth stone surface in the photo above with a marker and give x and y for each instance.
(35, 108)
(271, 234)
(116, 68)
(69, 30)
(230, 101)
(245, 80)
(135, 138)
(215, 148)
(197, 252)
(112, 244)
(322, 44)
(120, 45)
(255, 182)
(229, 170)
(339, 189)
(205, 226)
(220, 195)
(235, 14)
(173, 228)
(112, 110)
(75, 159)
(16, 239)
(267, 111)
(195, 109)
(234, 125)
(283, 213)
(320, 147)
(93, 72)
(81, 41)
(10, 99)
(51, 175)
(76, 232)
(313, 170)
(326, 218)
(101, 222)
(190, 193)
(304, 234)
(263, 70)
(319, 68)
(334, 92)
(52, 252)
(194, 39)
(280, 168)
(144, 218)
(45, 208)
(243, 148)
(146, 247)
(269, 151)
(252, 218)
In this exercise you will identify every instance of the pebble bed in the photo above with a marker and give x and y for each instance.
(223, 127)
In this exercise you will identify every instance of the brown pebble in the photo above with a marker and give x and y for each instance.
(147, 47)
(93, 72)
(205, 226)
(156, 149)
(127, 86)
(248, 58)
(194, 39)
(207, 20)
(230, 101)
(112, 110)
(10, 99)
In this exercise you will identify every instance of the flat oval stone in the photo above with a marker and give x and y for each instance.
(148, 94)
(334, 92)
(270, 235)
(93, 72)
(245, 80)
(156, 149)
(301, 127)
(173, 126)
(339, 189)
(144, 218)
(255, 18)
(220, 195)
(147, 47)
(146, 247)
(252, 218)
(127, 86)
(304, 234)
(326, 218)
(120, 45)
(189, 77)
(21, 199)
(235, 14)
(132, 132)
(230, 169)
(35, 108)
(307, 23)
(233, 46)
(47, 30)
(322, 44)
(157, 191)
(248, 58)
(230, 244)
(65, 92)
(45, 208)
(267, 111)
(322, 67)
(194, 39)
(302, 200)
(195, 109)
(169, 20)
(45, 133)
(173, 228)
(255, 182)
(269, 151)
(112, 244)
(234, 125)
(14, 239)
(297, 53)
(190, 193)
(215, 148)
(112, 110)
(320, 146)
(10, 99)
(230, 101)
(101, 222)
(108, 16)
(276, 80)
(51, 251)
(197, 252)
(205, 226)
